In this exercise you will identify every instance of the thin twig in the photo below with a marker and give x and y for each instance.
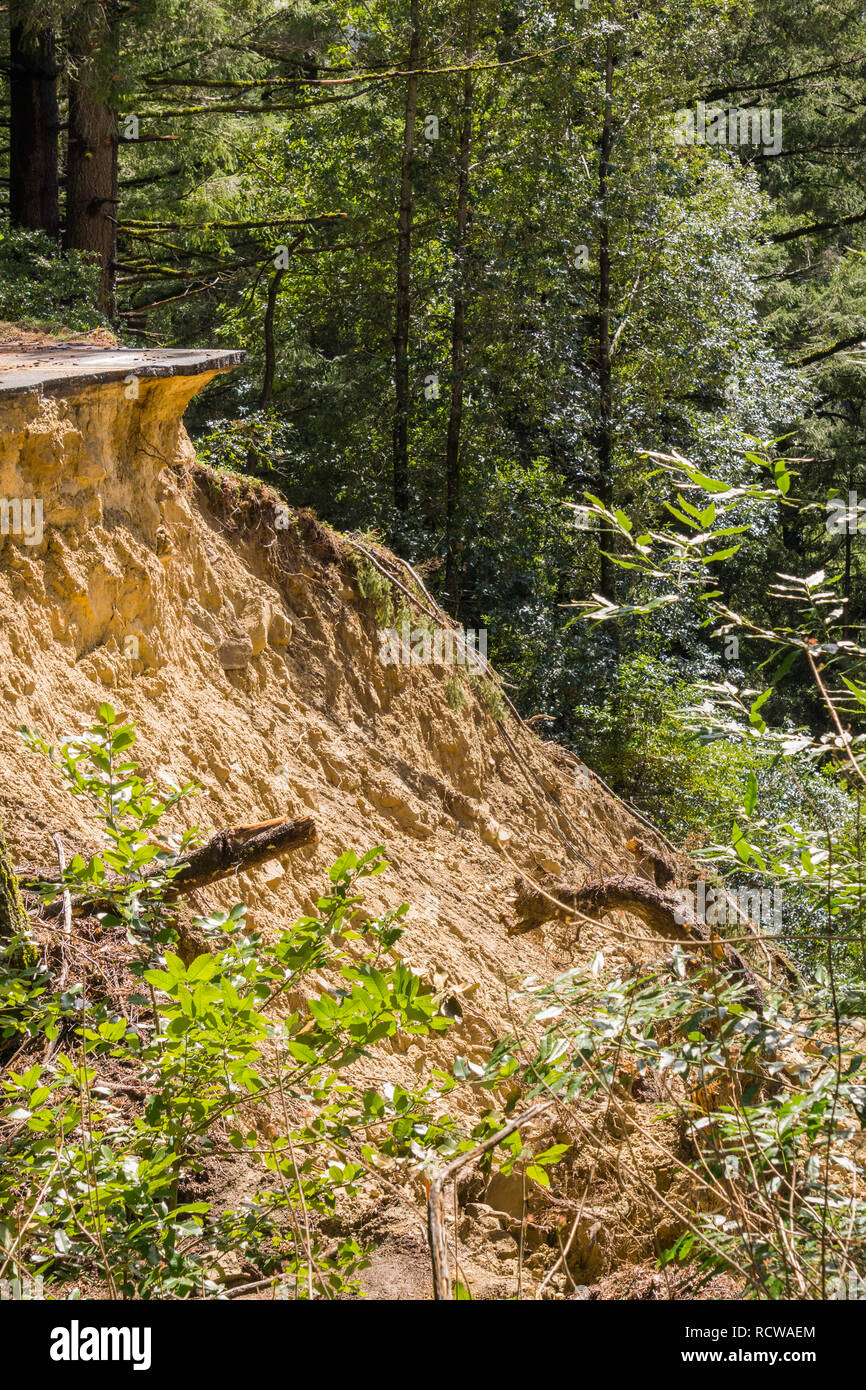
(442, 1286)
(67, 897)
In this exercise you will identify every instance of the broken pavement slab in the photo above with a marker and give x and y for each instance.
(57, 369)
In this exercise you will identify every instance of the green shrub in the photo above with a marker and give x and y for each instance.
(769, 1097)
(490, 695)
(89, 1191)
(41, 285)
(455, 695)
(376, 589)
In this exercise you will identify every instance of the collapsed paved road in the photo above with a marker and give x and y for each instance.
(55, 369)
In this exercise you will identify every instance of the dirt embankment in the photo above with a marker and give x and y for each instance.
(234, 634)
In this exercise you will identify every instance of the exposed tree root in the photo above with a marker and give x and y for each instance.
(660, 865)
(660, 908)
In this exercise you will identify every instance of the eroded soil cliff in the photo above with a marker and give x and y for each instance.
(234, 633)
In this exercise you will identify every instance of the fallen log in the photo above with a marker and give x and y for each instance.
(663, 911)
(239, 849)
(659, 908)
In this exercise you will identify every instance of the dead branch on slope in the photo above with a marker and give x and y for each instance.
(235, 850)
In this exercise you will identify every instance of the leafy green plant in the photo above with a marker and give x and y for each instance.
(89, 1191)
(799, 828)
(455, 694)
(490, 695)
(770, 1099)
(375, 588)
(42, 286)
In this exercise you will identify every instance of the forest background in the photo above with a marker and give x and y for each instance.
(499, 271)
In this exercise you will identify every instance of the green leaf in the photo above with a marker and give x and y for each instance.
(741, 844)
(202, 968)
(782, 476)
(708, 484)
(754, 717)
(175, 965)
(681, 516)
(856, 690)
(345, 865)
(160, 979)
(552, 1155)
(537, 1175)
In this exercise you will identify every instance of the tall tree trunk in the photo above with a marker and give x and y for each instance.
(91, 168)
(605, 427)
(270, 345)
(34, 126)
(13, 918)
(847, 629)
(253, 454)
(458, 359)
(403, 296)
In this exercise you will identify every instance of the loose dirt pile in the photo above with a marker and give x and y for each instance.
(234, 633)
